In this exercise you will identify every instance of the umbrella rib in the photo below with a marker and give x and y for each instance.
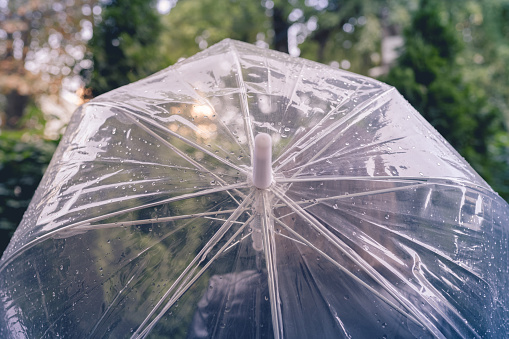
(378, 178)
(449, 182)
(237, 242)
(425, 282)
(132, 259)
(407, 314)
(183, 288)
(294, 89)
(105, 216)
(420, 244)
(290, 146)
(286, 236)
(189, 283)
(341, 153)
(244, 106)
(165, 201)
(129, 114)
(182, 154)
(112, 303)
(361, 194)
(185, 140)
(314, 128)
(271, 261)
(344, 196)
(149, 247)
(328, 130)
(63, 314)
(173, 148)
(43, 297)
(341, 246)
(115, 200)
(191, 268)
(153, 220)
(138, 162)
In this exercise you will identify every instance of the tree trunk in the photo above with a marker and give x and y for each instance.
(280, 30)
(16, 104)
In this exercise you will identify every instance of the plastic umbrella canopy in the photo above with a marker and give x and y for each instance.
(148, 222)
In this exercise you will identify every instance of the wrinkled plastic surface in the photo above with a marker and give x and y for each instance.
(147, 223)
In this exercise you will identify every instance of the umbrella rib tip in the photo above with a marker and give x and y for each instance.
(262, 161)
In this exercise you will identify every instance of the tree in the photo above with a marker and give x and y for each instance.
(333, 31)
(23, 160)
(41, 43)
(429, 75)
(194, 25)
(124, 47)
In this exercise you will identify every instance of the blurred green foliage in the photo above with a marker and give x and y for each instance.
(453, 67)
(124, 45)
(459, 85)
(194, 25)
(23, 160)
(430, 77)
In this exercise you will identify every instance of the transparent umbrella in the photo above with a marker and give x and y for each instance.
(364, 222)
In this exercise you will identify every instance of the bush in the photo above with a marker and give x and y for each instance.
(22, 165)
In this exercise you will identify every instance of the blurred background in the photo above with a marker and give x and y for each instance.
(449, 59)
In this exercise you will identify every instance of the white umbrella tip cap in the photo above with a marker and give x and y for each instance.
(263, 141)
(262, 162)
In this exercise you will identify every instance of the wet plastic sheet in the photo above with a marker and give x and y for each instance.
(147, 223)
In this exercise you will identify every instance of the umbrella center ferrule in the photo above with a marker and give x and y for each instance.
(262, 161)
